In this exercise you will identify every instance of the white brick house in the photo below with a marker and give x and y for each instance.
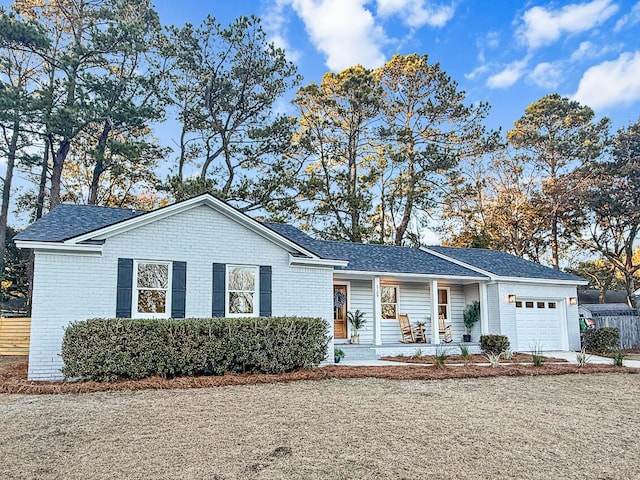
(202, 258)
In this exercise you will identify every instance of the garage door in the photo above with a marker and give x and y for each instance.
(538, 324)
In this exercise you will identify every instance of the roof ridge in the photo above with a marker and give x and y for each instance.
(104, 207)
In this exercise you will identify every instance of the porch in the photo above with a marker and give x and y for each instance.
(421, 298)
(374, 352)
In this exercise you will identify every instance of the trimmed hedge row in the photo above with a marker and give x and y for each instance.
(112, 349)
(601, 340)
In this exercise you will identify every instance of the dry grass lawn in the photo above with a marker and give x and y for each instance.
(546, 427)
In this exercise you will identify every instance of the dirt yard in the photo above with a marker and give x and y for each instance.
(568, 426)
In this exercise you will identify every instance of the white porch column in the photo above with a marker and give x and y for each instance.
(435, 325)
(377, 311)
(484, 309)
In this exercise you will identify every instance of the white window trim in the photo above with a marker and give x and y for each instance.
(256, 292)
(134, 296)
(397, 304)
(448, 304)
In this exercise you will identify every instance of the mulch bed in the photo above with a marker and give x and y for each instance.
(13, 377)
(475, 358)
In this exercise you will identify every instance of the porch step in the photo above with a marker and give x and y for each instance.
(358, 352)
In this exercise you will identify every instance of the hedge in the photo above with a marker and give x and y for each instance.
(112, 349)
(601, 340)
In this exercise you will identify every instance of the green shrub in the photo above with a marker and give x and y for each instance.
(441, 356)
(602, 340)
(536, 355)
(496, 344)
(111, 349)
(618, 358)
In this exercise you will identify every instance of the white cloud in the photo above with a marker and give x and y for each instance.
(630, 19)
(493, 39)
(585, 50)
(588, 50)
(611, 83)
(544, 26)
(476, 71)
(344, 31)
(508, 76)
(546, 75)
(275, 24)
(416, 13)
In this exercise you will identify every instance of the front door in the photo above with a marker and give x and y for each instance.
(339, 311)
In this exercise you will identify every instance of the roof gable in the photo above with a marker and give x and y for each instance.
(75, 226)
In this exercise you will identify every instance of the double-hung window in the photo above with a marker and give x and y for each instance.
(389, 297)
(152, 289)
(242, 291)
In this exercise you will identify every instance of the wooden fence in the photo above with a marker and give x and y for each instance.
(14, 336)
(629, 327)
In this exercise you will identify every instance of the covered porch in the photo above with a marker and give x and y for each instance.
(384, 299)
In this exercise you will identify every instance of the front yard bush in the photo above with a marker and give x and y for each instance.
(601, 340)
(494, 344)
(111, 349)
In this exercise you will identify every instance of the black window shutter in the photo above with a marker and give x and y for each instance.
(219, 287)
(124, 288)
(265, 291)
(178, 289)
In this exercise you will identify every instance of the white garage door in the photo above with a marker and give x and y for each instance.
(538, 325)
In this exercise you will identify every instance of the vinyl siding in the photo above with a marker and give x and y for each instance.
(361, 299)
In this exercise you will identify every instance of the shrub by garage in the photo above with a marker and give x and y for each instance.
(601, 340)
(112, 349)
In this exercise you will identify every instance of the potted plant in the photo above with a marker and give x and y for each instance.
(338, 354)
(470, 316)
(357, 321)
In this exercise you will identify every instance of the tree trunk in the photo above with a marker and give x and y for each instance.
(42, 187)
(554, 240)
(99, 168)
(629, 285)
(56, 173)
(408, 207)
(6, 192)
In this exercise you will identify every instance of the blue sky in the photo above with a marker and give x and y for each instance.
(508, 53)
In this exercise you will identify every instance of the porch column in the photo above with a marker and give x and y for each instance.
(435, 325)
(377, 311)
(484, 309)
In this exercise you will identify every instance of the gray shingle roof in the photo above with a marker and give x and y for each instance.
(503, 264)
(610, 309)
(375, 258)
(68, 221)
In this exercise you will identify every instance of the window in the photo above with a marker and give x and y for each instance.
(518, 304)
(540, 304)
(242, 291)
(389, 296)
(152, 292)
(443, 303)
(528, 304)
(552, 304)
